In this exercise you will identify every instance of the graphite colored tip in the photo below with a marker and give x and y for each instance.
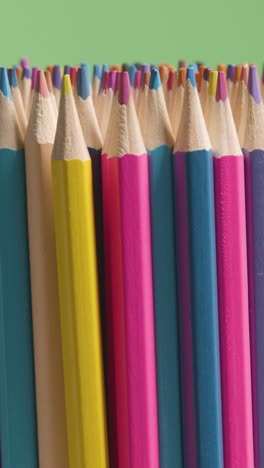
(56, 76)
(66, 87)
(154, 82)
(111, 79)
(213, 82)
(182, 76)
(231, 72)
(83, 84)
(34, 77)
(67, 69)
(170, 80)
(191, 76)
(132, 71)
(97, 71)
(4, 83)
(26, 73)
(125, 67)
(253, 84)
(12, 77)
(206, 75)
(137, 80)
(221, 90)
(41, 86)
(48, 80)
(124, 88)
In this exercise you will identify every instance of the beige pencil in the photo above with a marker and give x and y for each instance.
(52, 435)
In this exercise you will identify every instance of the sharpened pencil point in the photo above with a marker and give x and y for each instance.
(213, 83)
(231, 72)
(56, 77)
(48, 80)
(12, 77)
(66, 85)
(26, 73)
(41, 84)
(132, 72)
(24, 62)
(137, 80)
(154, 82)
(182, 76)
(83, 85)
(34, 77)
(191, 76)
(67, 69)
(117, 79)
(221, 91)
(253, 84)
(111, 79)
(4, 83)
(124, 88)
(97, 71)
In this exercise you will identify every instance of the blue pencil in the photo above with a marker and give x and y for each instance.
(18, 429)
(197, 262)
(158, 139)
(253, 149)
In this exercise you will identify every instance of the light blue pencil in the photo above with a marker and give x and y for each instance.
(158, 139)
(18, 431)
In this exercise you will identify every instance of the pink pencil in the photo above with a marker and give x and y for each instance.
(232, 285)
(125, 150)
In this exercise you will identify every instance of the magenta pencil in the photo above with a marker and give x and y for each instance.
(127, 149)
(232, 285)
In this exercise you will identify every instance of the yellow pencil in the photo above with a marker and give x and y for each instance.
(78, 290)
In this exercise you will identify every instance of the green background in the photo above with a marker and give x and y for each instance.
(117, 31)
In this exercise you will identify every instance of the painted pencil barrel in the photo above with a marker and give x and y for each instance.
(254, 171)
(204, 308)
(139, 320)
(18, 430)
(233, 311)
(165, 306)
(80, 320)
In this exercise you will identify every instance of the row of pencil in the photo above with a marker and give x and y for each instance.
(131, 267)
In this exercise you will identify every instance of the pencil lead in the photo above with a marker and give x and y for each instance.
(97, 71)
(67, 69)
(117, 80)
(170, 80)
(244, 74)
(154, 82)
(231, 72)
(34, 77)
(132, 72)
(237, 74)
(73, 76)
(48, 81)
(24, 62)
(182, 64)
(182, 76)
(213, 82)
(66, 87)
(137, 80)
(41, 84)
(253, 84)
(26, 73)
(221, 90)
(104, 69)
(83, 85)
(111, 79)
(56, 76)
(206, 74)
(221, 67)
(4, 84)
(12, 77)
(124, 88)
(191, 76)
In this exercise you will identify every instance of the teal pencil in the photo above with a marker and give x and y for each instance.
(158, 139)
(18, 430)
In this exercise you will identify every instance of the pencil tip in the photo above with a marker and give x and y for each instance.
(26, 73)
(83, 85)
(221, 91)
(253, 84)
(244, 73)
(182, 64)
(24, 62)
(137, 80)
(154, 82)
(111, 79)
(34, 77)
(182, 76)
(56, 76)
(67, 69)
(132, 72)
(4, 84)
(213, 83)
(102, 81)
(124, 88)
(48, 80)
(170, 80)
(97, 71)
(41, 84)
(231, 72)
(117, 79)
(66, 85)
(12, 77)
(191, 76)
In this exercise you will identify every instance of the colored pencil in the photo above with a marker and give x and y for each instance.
(50, 89)
(131, 162)
(17, 411)
(237, 75)
(136, 88)
(56, 81)
(17, 99)
(210, 101)
(158, 138)
(230, 78)
(203, 95)
(194, 185)
(107, 103)
(25, 88)
(96, 80)
(78, 289)
(34, 73)
(175, 114)
(253, 149)
(53, 449)
(132, 72)
(232, 285)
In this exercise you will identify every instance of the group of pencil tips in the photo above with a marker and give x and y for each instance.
(131, 266)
